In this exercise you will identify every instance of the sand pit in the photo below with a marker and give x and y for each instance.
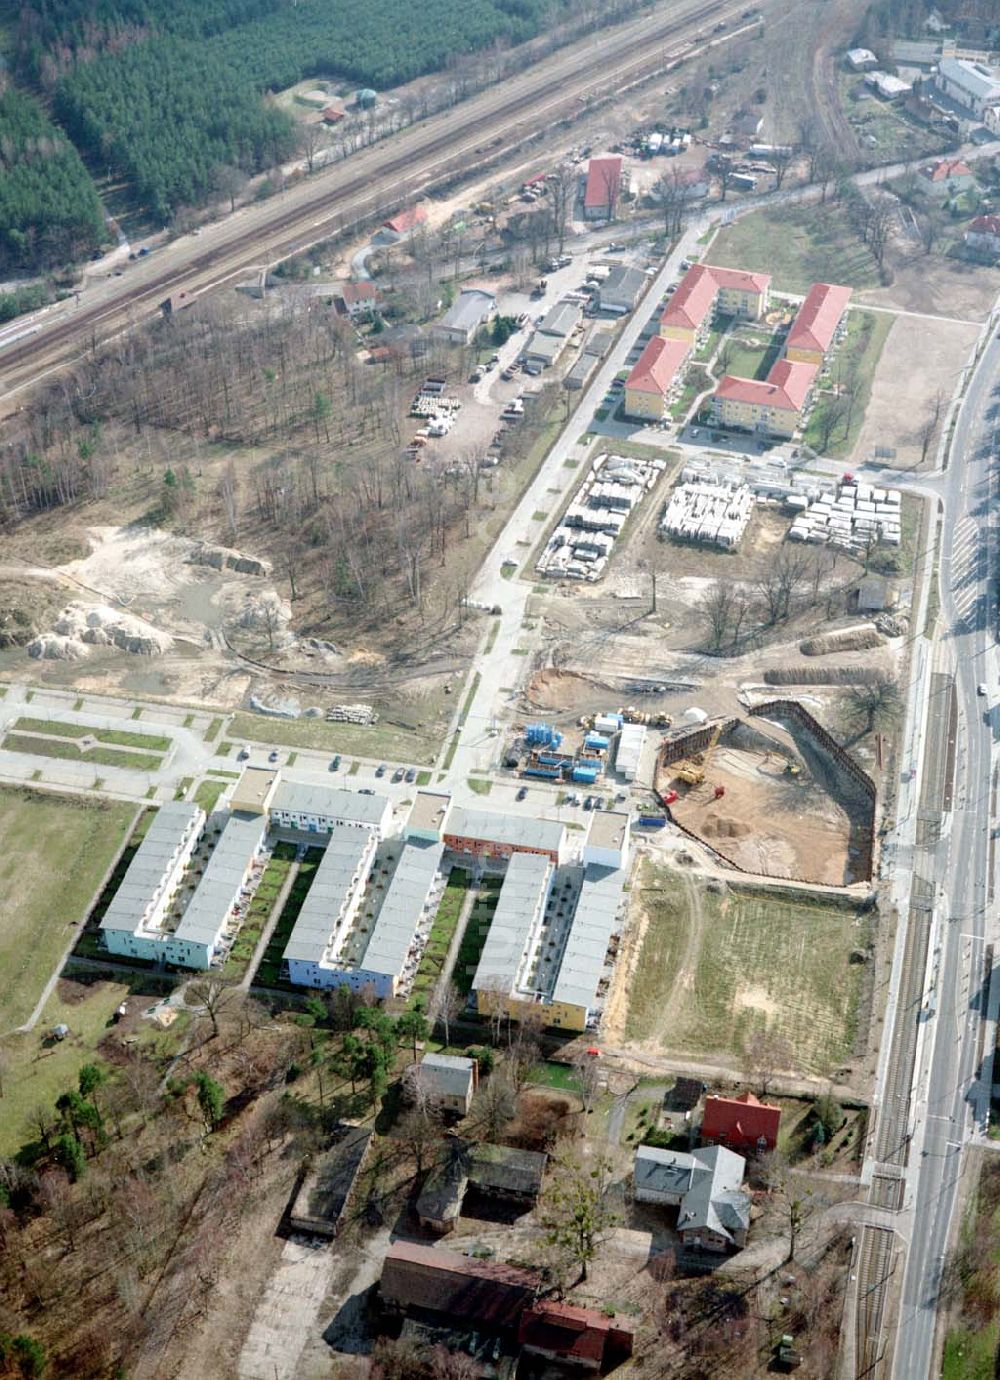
(772, 821)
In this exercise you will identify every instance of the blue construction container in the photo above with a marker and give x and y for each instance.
(588, 775)
(544, 773)
(652, 821)
(554, 759)
(596, 740)
(542, 735)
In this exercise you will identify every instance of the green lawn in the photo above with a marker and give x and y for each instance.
(268, 971)
(479, 786)
(972, 1346)
(441, 935)
(716, 968)
(55, 852)
(268, 889)
(798, 246)
(72, 752)
(381, 740)
(40, 1070)
(207, 795)
(150, 742)
(854, 366)
(476, 930)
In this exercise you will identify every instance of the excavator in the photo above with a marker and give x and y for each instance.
(692, 772)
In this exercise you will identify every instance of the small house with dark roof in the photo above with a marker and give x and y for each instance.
(496, 1171)
(428, 1282)
(325, 1193)
(572, 1336)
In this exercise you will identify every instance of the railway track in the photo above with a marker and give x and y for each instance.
(874, 1270)
(375, 181)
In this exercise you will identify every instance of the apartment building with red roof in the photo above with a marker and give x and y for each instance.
(706, 288)
(816, 323)
(603, 188)
(773, 405)
(653, 375)
(741, 1123)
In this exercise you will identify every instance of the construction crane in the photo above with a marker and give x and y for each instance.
(693, 773)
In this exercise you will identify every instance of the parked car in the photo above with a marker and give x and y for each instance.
(981, 689)
(411, 774)
(366, 790)
(588, 804)
(272, 756)
(397, 775)
(380, 769)
(335, 762)
(522, 793)
(243, 753)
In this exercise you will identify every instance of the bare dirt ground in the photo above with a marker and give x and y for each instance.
(919, 363)
(938, 285)
(770, 822)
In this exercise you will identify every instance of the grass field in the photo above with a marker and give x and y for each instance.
(858, 358)
(715, 968)
(117, 737)
(268, 889)
(269, 970)
(798, 246)
(38, 1070)
(972, 1346)
(55, 852)
(68, 751)
(476, 930)
(381, 740)
(440, 938)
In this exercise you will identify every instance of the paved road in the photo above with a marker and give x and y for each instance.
(951, 1090)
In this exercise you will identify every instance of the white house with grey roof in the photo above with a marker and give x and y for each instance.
(314, 807)
(472, 308)
(200, 936)
(134, 923)
(488, 834)
(621, 290)
(970, 84)
(706, 1187)
(449, 1080)
(313, 954)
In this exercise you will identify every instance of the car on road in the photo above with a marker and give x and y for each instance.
(366, 790)
(272, 756)
(411, 774)
(522, 793)
(380, 769)
(616, 247)
(981, 689)
(335, 762)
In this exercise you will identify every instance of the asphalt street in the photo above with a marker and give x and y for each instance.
(951, 1090)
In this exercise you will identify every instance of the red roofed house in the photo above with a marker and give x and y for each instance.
(333, 114)
(653, 375)
(604, 184)
(741, 1123)
(815, 326)
(983, 235)
(950, 175)
(688, 314)
(426, 1279)
(357, 298)
(772, 405)
(405, 222)
(575, 1336)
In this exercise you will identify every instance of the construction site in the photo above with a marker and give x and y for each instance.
(773, 795)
